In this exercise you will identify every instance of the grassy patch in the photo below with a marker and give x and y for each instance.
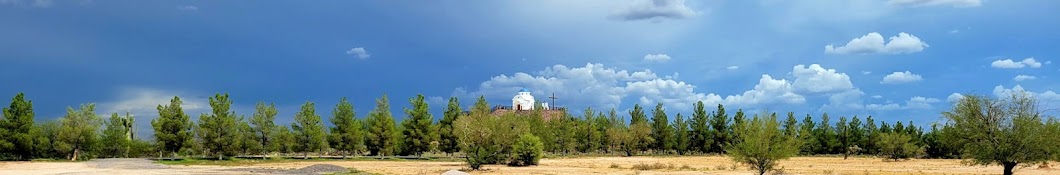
(253, 161)
(656, 166)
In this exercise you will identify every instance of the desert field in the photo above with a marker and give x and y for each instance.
(582, 165)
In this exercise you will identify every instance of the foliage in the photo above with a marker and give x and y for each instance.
(308, 130)
(661, 130)
(348, 134)
(77, 132)
(116, 141)
(1008, 131)
(680, 133)
(172, 128)
(219, 131)
(417, 123)
(528, 149)
(720, 129)
(897, 146)
(446, 139)
(382, 132)
(699, 136)
(265, 126)
(761, 144)
(16, 127)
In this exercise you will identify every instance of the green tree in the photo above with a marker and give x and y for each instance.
(446, 139)
(825, 136)
(15, 128)
(737, 121)
(639, 129)
(588, 137)
(77, 133)
(661, 130)
(897, 146)
(219, 130)
(720, 130)
(487, 139)
(248, 140)
(564, 133)
(528, 150)
(842, 136)
(791, 126)
(855, 137)
(600, 125)
(762, 143)
(308, 130)
(265, 126)
(417, 125)
(115, 141)
(681, 135)
(700, 137)
(1008, 131)
(172, 128)
(382, 132)
(348, 134)
(284, 140)
(872, 133)
(807, 136)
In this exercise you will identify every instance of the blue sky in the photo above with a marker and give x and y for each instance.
(892, 59)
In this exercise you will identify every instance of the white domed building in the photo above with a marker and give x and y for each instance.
(523, 101)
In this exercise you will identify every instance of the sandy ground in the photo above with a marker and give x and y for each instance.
(588, 165)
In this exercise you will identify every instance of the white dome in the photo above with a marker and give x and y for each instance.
(523, 100)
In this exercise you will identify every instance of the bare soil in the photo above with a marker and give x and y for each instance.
(582, 165)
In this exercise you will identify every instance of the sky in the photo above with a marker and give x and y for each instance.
(895, 60)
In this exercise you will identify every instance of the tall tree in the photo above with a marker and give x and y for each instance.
(720, 130)
(791, 126)
(681, 137)
(172, 128)
(219, 130)
(248, 140)
(587, 135)
(308, 130)
(762, 143)
(640, 130)
(661, 130)
(737, 121)
(855, 137)
(77, 132)
(417, 125)
(637, 115)
(348, 134)
(807, 136)
(699, 135)
(842, 136)
(1008, 131)
(825, 136)
(382, 132)
(265, 126)
(115, 142)
(601, 123)
(15, 128)
(872, 133)
(446, 139)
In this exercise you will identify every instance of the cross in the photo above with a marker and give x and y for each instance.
(553, 97)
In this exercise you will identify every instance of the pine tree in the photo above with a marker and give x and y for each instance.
(720, 130)
(791, 126)
(737, 121)
(417, 125)
(808, 137)
(77, 133)
(219, 131)
(640, 137)
(172, 128)
(872, 133)
(825, 136)
(842, 136)
(382, 132)
(601, 123)
(700, 137)
(661, 130)
(588, 138)
(115, 141)
(681, 135)
(248, 140)
(265, 127)
(308, 130)
(15, 128)
(347, 135)
(447, 141)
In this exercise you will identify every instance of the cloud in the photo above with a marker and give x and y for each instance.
(877, 96)
(873, 43)
(865, 72)
(359, 52)
(1048, 97)
(919, 102)
(817, 79)
(1024, 77)
(657, 57)
(954, 97)
(188, 8)
(732, 67)
(142, 103)
(901, 77)
(926, 3)
(655, 10)
(1010, 64)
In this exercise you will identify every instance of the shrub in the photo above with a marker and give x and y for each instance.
(898, 146)
(528, 150)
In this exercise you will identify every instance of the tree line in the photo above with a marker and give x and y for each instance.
(1004, 131)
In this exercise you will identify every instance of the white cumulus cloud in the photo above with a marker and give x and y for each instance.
(873, 43)
(817, 79)
(657, 57)
(655, 10)
(901, 77)
(1048, 97)
(925, 3)
(1010, 64)
(954, 97)
(359, 52)
(732, 67)
(1024, 77)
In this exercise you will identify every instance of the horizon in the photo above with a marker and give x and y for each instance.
(893, 60)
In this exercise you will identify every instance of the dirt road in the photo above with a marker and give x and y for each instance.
(587, 165)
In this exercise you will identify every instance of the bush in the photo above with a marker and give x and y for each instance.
(898, 146)
(528, 150)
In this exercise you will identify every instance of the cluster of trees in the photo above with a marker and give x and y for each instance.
(1006, 131)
